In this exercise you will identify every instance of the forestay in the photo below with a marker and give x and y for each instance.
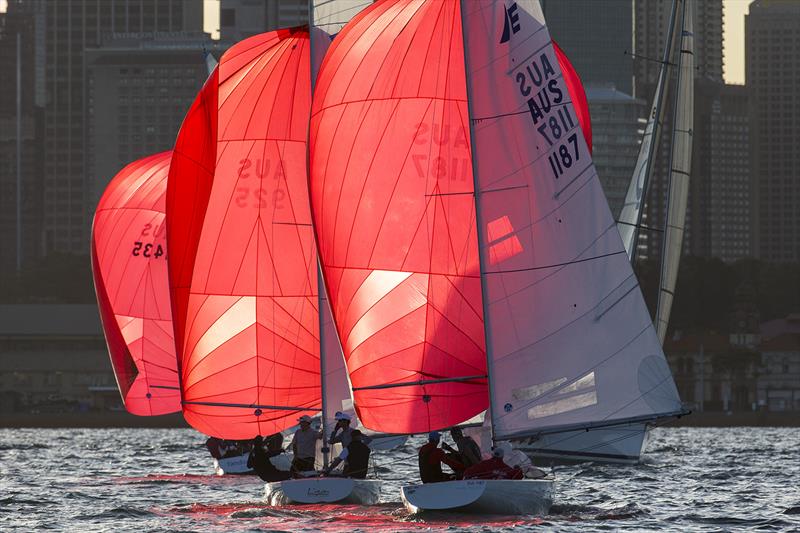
(569, 338)
(680, 168)
(391, 194)
(129, 265)
(243, 264)
(630, 218)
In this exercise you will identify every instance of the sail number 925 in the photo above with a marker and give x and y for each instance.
(146, 249)
(563, 157)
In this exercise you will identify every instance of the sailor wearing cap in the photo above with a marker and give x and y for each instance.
(342, 432)
(431, 458)
(304, 446)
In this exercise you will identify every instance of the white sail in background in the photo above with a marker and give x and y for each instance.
(630, 218)
(211, 62)
(680, 168)
(570, 342)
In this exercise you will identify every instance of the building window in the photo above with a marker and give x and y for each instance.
(227, 17)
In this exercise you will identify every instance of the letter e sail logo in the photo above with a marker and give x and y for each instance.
(511, 22)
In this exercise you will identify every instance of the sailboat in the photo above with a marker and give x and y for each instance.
(456, 207)
(243, 267)
(625, 443)
(129, 266)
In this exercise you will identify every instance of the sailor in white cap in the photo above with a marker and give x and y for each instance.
(342, 432)
(304, 446)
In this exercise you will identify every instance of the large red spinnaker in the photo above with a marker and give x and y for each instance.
(392, 199)
(129, 265)
(242, 253)
(577, 94)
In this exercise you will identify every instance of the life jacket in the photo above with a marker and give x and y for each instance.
(429, 471)
(357, 462)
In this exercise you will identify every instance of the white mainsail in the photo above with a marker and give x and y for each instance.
(569, 339)
(630, 218)
(680, 169)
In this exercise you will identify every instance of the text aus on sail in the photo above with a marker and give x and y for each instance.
(261, 184)
(538, 83)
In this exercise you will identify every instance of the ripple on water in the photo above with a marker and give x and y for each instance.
(162, 480)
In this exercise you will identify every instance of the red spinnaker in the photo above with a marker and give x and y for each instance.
(393, 206)
(243, 260)
(577, 94)
(129, 264)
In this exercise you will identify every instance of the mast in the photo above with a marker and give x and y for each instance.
(320, 280)
(680, 155)
(19, 153)
(479, 222)
(630, 223)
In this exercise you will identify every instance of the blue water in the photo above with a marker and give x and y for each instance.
(693, 479)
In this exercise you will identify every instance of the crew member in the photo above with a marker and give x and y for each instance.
(342, 432)
(468, 453)
(304, 446)
(259, 460)
(355, 456)
(431, 458)
(494, 468)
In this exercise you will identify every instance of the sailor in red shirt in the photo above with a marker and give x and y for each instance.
(431, 458)
(494, 468)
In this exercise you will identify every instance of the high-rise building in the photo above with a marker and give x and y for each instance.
(719, 207)
(240, 19)
(139, 87)
(651, 20)
(23, 22)
(618, 121)
(772, 67)
(70, 28)
(596, 36)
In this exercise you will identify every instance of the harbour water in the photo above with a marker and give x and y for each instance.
(693, 479)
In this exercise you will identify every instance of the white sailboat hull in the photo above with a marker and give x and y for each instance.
(619, 444)
(323, 490)
(491, 496)
(232, 465)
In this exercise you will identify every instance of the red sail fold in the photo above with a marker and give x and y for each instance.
(392, 199)
(577, 94)
(129, 264)
(243, 260)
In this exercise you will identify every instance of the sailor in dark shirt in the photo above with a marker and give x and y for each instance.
(355, 456)
(468, 453)
(259, 459)
(431, 458)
